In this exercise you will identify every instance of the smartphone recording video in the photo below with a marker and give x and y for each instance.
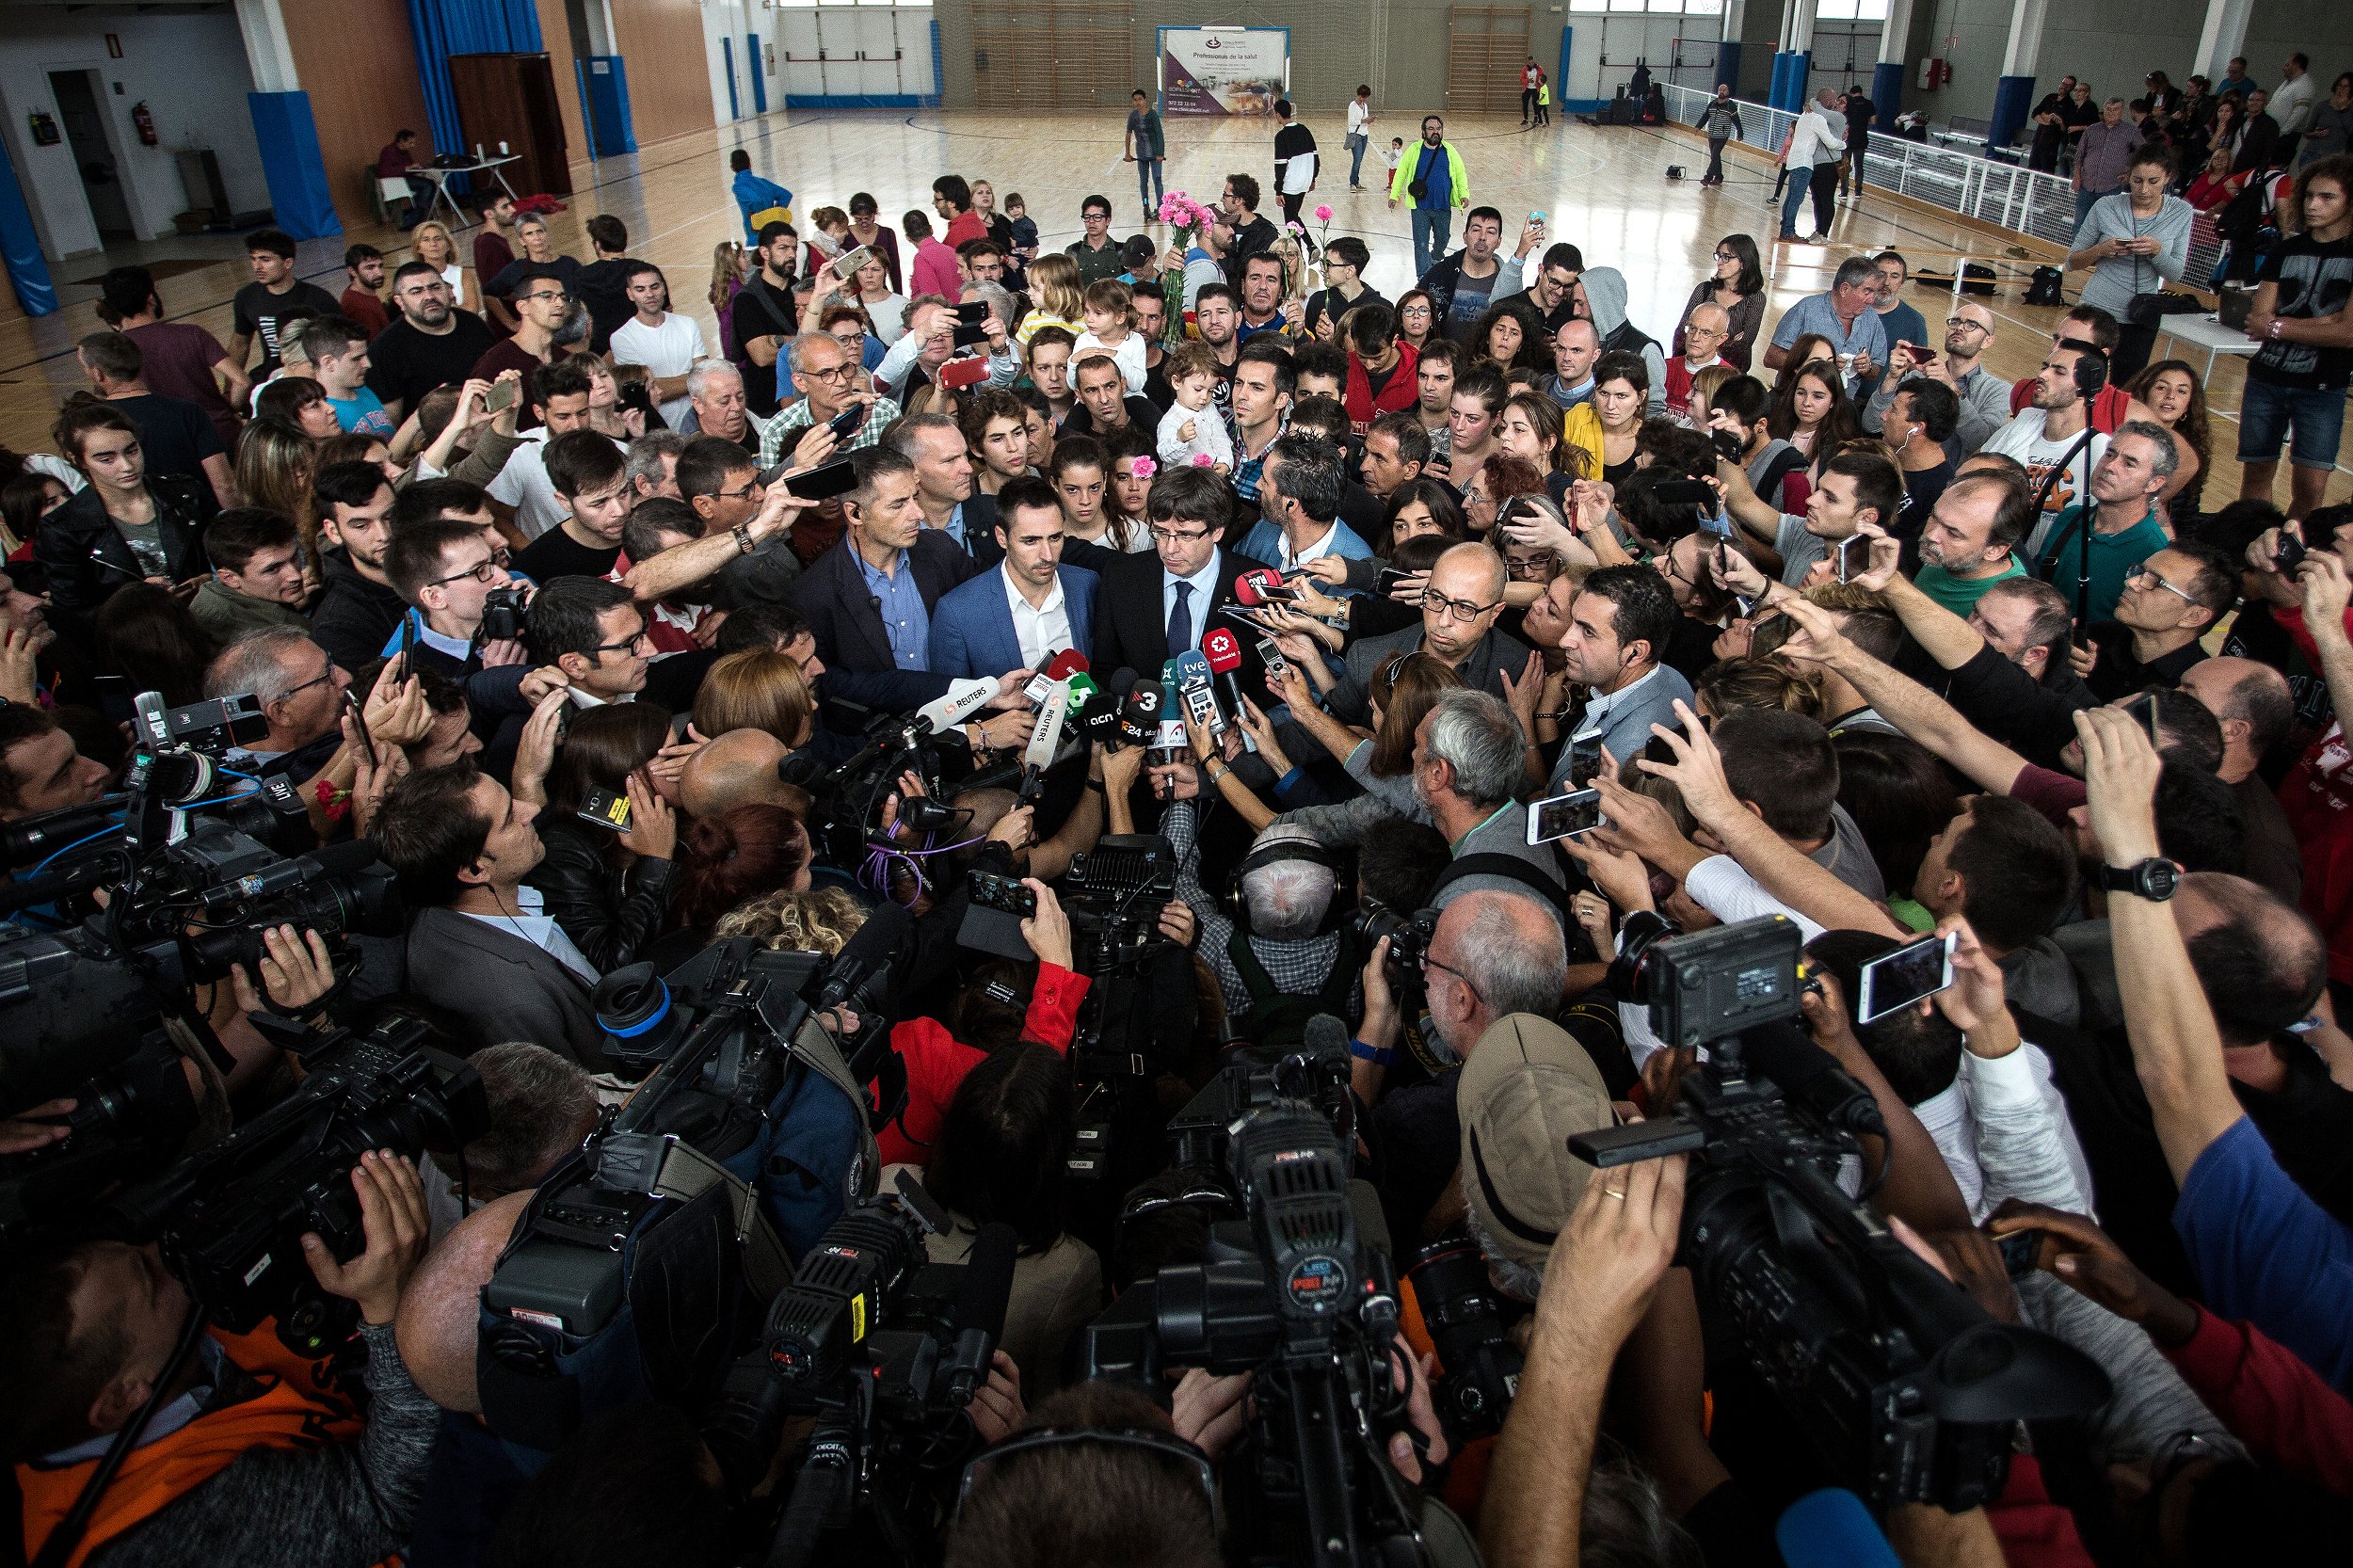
(1563, 816)
(1904, 978)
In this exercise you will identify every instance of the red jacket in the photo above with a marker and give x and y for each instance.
(936, 1062)
(2281, 1409)
(1401, 392)
(2035, 1532)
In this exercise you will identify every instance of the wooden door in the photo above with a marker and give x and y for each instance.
(1486, 46)
(512, 99)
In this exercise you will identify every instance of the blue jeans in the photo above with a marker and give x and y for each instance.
(1433, 227)
(2309, 420)
(2084, 200)
(1799, 180)
(1148, 186)
(1356, 145)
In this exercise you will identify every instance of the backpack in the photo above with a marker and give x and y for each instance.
(643, 1260)
(1278, 1018)
(2045, 287)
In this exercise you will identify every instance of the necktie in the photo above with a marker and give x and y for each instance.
(1180, 621)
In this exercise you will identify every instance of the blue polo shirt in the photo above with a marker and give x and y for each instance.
(1813, 314)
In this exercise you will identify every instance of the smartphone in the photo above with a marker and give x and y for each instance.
(2019, 1250)
(1718, 525)
(1854, 556)
(845, 265)
(969, 371)
(2144, 711)
(972, 311)
(1386, 582)
(359, 721)
(1909, 975)
(991, 891)
(406, 652)
(1563, 816)
(847, 423)
(970, 333)
(606, 809)
(2288, 554)
(824, 481)
(1920, 355)
(1683, 492)
(502, 397)
(1272, 657)
(1584, 757)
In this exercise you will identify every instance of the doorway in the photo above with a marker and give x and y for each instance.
(78, 110)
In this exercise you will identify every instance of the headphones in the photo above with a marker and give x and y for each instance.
(1238, 908)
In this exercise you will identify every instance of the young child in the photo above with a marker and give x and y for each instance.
(1395, 153)
(1110, 313)
(1024, 227)
(1193, 429)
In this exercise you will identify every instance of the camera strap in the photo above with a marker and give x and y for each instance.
(1511, 868)
(665, 1166)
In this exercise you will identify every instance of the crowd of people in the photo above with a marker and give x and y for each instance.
(1833, 623)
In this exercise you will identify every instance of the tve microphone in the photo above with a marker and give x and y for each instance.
(1197, 691)
(964, 699)
(1224, 652)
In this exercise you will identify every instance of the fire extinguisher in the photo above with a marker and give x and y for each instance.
(144, 123)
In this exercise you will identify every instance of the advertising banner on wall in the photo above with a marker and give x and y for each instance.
(1223, 70)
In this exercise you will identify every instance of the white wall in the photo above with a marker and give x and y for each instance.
(729, 19)
(191, 72)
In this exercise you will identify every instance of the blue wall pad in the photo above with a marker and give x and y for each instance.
(291, 162)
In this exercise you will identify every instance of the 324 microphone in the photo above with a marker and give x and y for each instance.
(1140, 715)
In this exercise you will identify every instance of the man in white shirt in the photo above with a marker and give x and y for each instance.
(559, 394)
(666, 343)
(2044, 434)
(1812, 140)
(2293, 102)
(1030, 609)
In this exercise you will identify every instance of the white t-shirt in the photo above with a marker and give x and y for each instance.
(524, 485)
(669, 349)
(1299, 175)
(1128, 357)
(1358, 113)
(2023, 439)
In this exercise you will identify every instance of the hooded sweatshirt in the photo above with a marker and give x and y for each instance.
(1605, 291)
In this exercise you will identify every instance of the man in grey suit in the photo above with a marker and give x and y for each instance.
(482, 944)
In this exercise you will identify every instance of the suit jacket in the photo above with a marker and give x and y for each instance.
(1132, 628)
(972, 627)
(1266, 540)
(503, 985)
(833, 597)
(1351, 698)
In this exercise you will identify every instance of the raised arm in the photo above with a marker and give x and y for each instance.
(1903, 701)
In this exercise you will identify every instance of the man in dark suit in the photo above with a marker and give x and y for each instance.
(1152, 607)
(482, 945)
(1460, 607)
(868, 599)
(1029, 608)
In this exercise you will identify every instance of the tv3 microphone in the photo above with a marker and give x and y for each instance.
(1222, 650)
(964, 699)
(1196, 690)
(1139, 716)
(1062, 667)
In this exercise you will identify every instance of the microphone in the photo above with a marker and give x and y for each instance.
(864, 960)
(1046, 736)
(1224, 652)
(1062, 667)
(964, 699)
(1195, 690)
(1831, 1527)
(1261, 587)
(1140, 715)
(981, 1301)
(341, 859)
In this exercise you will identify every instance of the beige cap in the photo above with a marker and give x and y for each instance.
(1526, 1090)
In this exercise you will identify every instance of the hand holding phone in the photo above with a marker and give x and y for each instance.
(1563, 816)
(1904, 978)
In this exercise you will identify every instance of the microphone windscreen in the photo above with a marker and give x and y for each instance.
(1069, 662)
(1124, 682)
(988, 1280)
(1222, 649)
(1246, 590)
(1831, 1528)
(868, 953)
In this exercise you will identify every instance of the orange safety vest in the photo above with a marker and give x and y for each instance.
(298, 1407)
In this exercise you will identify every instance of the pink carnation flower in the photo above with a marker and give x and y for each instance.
(1202, 459)
(1144, 468)
(1323, 212)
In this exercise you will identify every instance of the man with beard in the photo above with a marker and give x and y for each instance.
(435, 342)
(1984, 396)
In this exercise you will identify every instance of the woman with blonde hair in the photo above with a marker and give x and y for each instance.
(1056, 299)
(755, 689)
(798, 919)
(435, 249)
(274, 465)
(1767, 682)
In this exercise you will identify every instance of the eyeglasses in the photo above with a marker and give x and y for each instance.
(1455, 609)
(744, 492)
(1962, 324)
(558, 295)
(642, 638)
(2150, 574)
(480, 571)
(1726, 256)
(1174, 535)
(1535, 566)
(1429, 962)
(829, 373)
(326, 675)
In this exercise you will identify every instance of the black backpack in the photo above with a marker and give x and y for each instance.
(2044, 289)
(1278, 1018)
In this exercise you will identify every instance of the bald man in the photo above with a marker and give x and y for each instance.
(1704, 333)
(738, 768)
(2256, 708)
(440, 1311)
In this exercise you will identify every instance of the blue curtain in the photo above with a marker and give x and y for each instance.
(446, 27)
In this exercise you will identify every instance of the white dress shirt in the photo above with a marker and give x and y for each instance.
(1315, 552)
(534, 924)
(1204, 590)
(1042, 630)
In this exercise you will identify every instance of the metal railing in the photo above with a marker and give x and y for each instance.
(2004, 195)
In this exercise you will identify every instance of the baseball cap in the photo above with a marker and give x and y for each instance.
(1526, 1090)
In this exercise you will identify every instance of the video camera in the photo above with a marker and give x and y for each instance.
(1113, 898)
(887, 1349)
(1905, 1387)
(1296, 1290)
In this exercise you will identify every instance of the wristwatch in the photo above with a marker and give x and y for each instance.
(744, 538)
(2154, 879)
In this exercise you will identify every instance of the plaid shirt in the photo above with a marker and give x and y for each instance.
(794, 418)
(1298, 968)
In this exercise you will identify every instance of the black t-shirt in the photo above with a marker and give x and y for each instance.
(603, 287)
(175, 434)
(761, 311)
(2314, 278)
(510, 277)
(404, 365)
(557, 554)
(1157, 390)
(258, 311)
(1140, 414)
(1858, 112)
(1331, 301)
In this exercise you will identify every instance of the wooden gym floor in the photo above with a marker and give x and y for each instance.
(1603, 189)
